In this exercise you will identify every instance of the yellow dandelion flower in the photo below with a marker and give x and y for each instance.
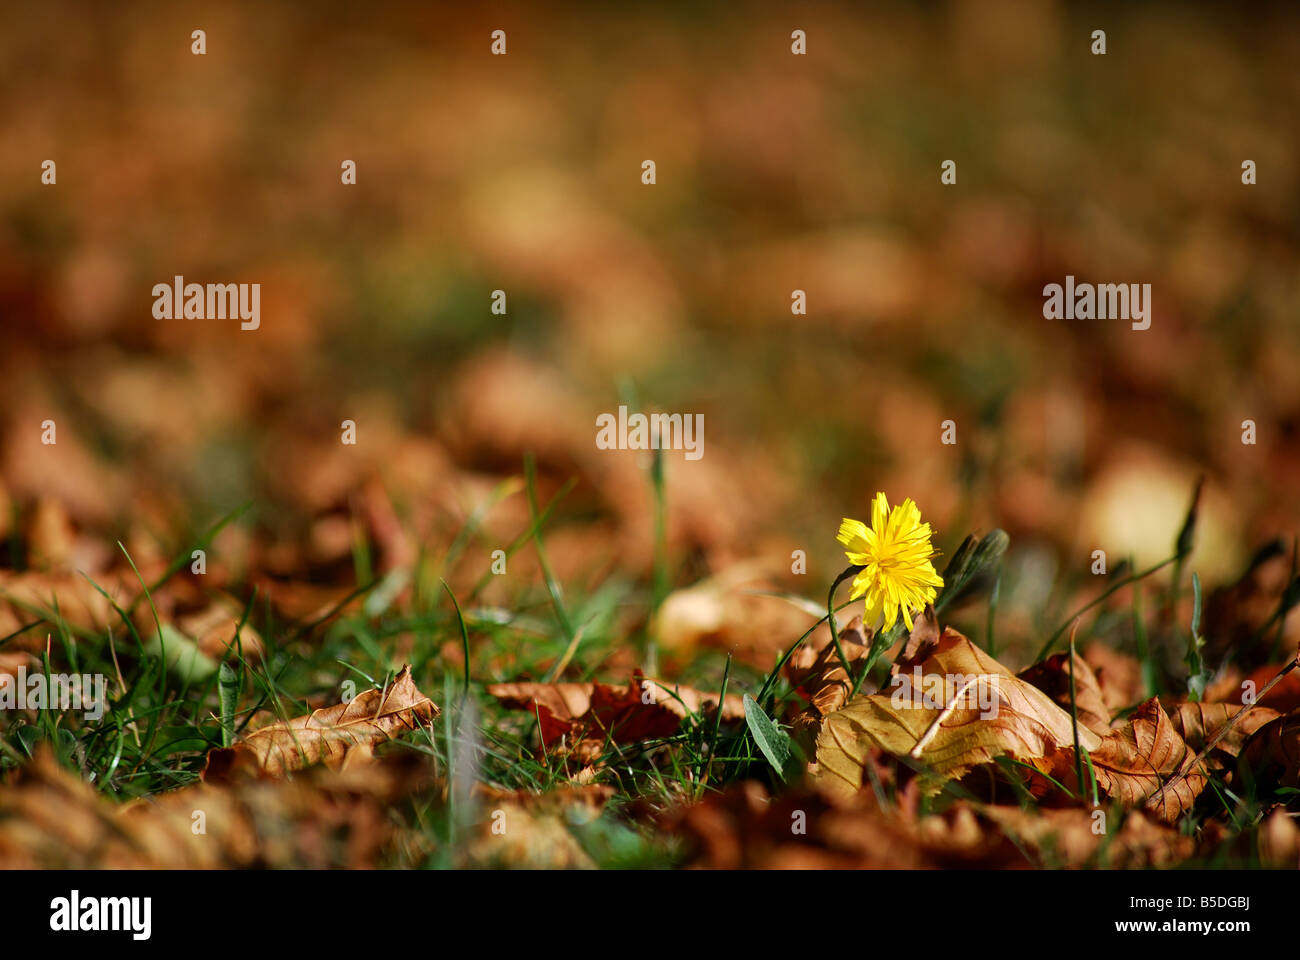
(898, 576)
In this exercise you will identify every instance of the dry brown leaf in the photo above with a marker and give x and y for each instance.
(921, 642)
(51, 539)
(730, 611)
(742, 828)
(11, 661)
(328, 736)
(214, 627)
(1143, 762)
(306, 602)
(520, 837)
(1118, 675)
(1236, 615)
(1199, 723)
(585, 712)
(589, 798)
(78, 602)
(1270, 757)
(1052, 676)
(1283, 697)
(820, 678)
(50, 818)
(523, 829)
(1068, 837)
(950, 738)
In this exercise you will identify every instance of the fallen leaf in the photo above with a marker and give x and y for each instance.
(733, 610)
(11, 661)
(35, 595)
(1069, 837)
(1270, 757)
(1052, 676)
(514, 836)
(1144, 762)
(1236, 616)
(589, 798)
(742, 828)
(326, 736)
(820, 679)
(1199, 723)
(214, 629)
(51, 819)
(921, 642)
(1119, 676)
(947, 733)
(579, 712)
(1284, 697)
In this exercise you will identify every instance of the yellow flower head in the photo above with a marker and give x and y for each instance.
(895, 554)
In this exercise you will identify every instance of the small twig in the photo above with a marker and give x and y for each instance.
(830, 618)
(1223, 730)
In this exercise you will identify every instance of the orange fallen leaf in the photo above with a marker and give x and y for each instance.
(1271, 755)
(1199, 723)
(1144, 762)
(742, 828)
(1069, 837)
(644, 709)
(819, 676)
(1283, 697)
(1119, 676)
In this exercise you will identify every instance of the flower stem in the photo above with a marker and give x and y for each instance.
(852, 571)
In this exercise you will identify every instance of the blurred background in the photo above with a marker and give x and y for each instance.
(522, 173)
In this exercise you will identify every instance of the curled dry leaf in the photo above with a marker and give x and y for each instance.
(1118, 675)
(1282, 697)
(1052, 676)
(581, 712)
(820, 678)
(967, 711)
(1144, 762)
(328, 736)
(1270, 757)
(921, 642)
(1199, 723)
